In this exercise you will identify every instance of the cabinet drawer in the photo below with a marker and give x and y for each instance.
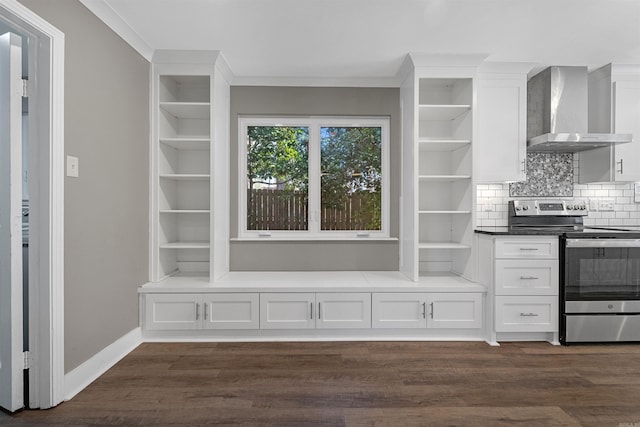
(526, 314)
(231, 311)
(527, 248)
(530, 277)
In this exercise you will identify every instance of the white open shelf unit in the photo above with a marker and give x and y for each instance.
(438, 133)
(186, 152)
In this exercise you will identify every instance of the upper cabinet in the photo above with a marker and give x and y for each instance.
(614, 106)
(501, 131)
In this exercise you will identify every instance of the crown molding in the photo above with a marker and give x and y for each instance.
(110, 17)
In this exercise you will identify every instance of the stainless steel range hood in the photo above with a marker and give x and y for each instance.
(557, 113)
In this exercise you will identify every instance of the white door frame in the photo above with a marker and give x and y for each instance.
(46, 160)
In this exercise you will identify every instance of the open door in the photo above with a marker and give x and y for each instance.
(11, 299)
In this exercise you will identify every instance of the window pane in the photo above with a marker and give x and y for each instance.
(277, 178)
(351, 183)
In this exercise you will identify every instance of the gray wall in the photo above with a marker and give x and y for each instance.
(295, 101)
(106, 208)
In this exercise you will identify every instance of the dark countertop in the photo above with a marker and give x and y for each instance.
(506, 231)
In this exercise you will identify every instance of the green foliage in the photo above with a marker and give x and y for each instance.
(351, 163)
(279, 156)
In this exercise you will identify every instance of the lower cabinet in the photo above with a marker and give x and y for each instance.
(427, 310)
(201, 311)
(315, 310)
(312, 310)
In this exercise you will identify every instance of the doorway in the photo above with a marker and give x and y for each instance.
(45, 152)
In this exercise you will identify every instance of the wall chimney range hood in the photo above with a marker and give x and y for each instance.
(557, 113)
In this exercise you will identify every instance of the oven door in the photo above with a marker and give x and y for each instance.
(601, 269)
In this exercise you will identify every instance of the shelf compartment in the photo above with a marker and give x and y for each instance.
(188, 194)
(442, 112)
(172, 161)
(184, 88)
(442, 144)
(187, 143)
(172, 127)
(187, 110)
(193, 227)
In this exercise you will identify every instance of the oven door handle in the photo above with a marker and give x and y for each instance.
(603, 243)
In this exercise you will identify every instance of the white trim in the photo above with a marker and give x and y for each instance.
(382, 82)
(313, 123)
(48, 320)
(110, 17)
(89, 371)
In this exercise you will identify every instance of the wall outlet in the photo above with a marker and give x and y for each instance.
(593, 205)
(606, 205)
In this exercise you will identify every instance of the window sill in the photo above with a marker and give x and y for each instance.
(313, 239)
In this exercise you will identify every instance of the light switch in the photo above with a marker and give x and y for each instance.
(72, 166)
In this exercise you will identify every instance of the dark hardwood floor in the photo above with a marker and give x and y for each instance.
(359, 384)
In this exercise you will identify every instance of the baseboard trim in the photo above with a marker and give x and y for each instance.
(79, 378)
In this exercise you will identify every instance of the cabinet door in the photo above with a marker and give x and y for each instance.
(454, 310)
(399, 310)
(343, 310)
(627, 120)
(287, 311)
(501, 139)
(231, 311)
(526, 277)
(172, 311)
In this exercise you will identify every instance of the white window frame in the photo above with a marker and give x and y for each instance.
(314, 123)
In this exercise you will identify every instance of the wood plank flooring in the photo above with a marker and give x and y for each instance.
(359, 384)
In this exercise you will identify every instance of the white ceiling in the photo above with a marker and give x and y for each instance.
(369, 39)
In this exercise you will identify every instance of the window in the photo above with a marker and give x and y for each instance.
(313, 177)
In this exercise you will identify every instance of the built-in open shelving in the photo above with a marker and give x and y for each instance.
(444, 174)
(183, 202)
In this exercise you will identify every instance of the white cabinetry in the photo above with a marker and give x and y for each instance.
(614, 107)
(501, 137)
(438, 101)
(522, 273)
(426, 310)
(201, 311)
(186, 151)
(311, 310)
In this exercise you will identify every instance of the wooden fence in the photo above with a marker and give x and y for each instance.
(286, 210)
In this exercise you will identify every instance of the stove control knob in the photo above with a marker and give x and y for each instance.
(525, 207)
(518, 208)
(583, 208)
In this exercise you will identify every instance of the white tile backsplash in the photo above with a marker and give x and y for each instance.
(492, 199)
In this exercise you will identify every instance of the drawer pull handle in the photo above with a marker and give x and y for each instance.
(529, 249)
(528, 278)
(197, 311)
(424, 310)
(529, 315)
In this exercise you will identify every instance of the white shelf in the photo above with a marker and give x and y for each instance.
(442, 245)
(443, 212)
(186, 176)
(442, 112)
(185, 245)
(443, 177)
(187, 110)
(185, 211)
(443, 144)
(187, 143)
